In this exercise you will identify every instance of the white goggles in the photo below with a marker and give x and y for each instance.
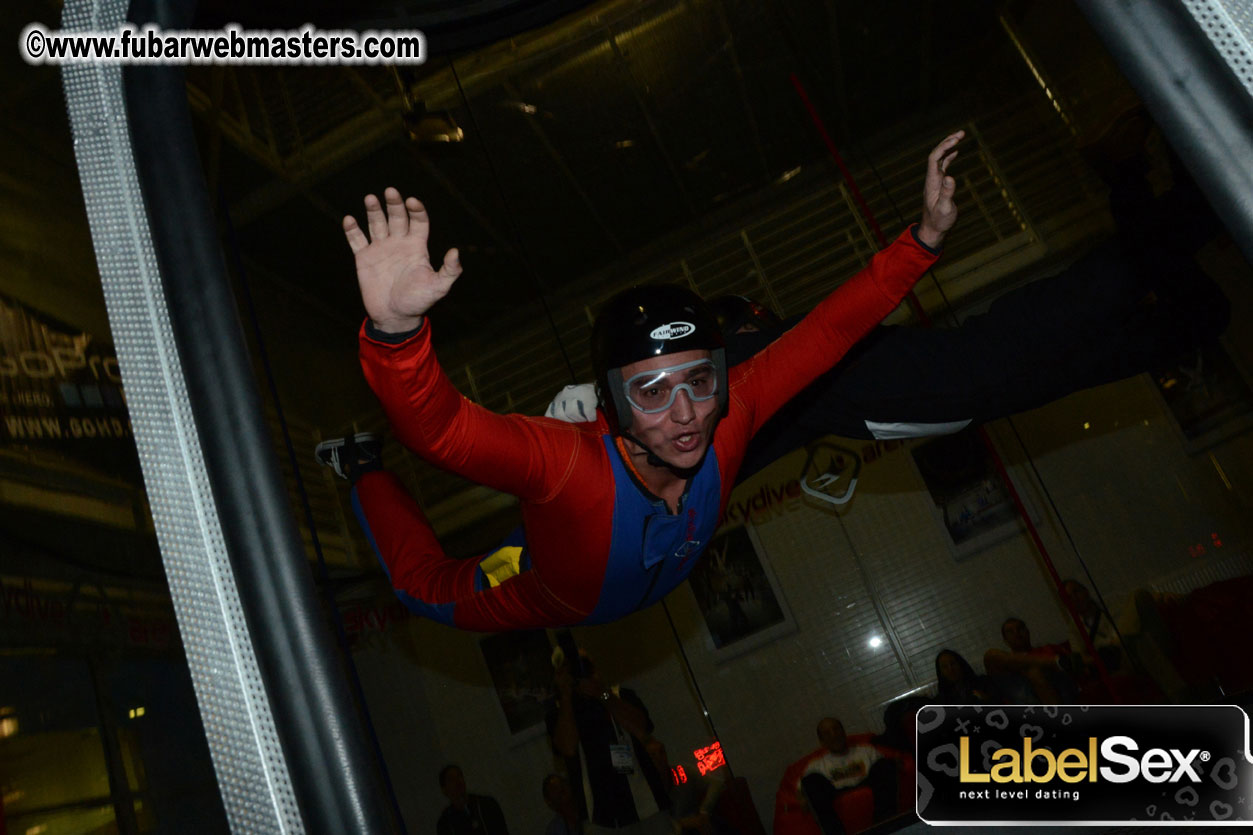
(654, 391)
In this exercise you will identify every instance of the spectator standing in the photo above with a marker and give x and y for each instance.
(467, 814)
(601, 733)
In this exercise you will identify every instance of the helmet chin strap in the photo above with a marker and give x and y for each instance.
(655, 460)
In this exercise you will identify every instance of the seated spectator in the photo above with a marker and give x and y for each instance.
(957, 683)
(559, 798)
(467, 814)
(1043, 666)
(843, 768)
(900, 724)
(1130, 652)
(1099, 627)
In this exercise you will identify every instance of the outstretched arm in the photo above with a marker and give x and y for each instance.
(821, 339)
(577, 403)
(399, 284)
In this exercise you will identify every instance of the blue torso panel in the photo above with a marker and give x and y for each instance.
(653, 550)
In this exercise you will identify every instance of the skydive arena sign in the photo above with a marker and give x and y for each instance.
(1002, 765)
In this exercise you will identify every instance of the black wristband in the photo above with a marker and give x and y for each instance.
(391, 338)
(913, 230)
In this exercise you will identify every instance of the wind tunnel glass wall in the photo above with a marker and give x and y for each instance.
(669, 141)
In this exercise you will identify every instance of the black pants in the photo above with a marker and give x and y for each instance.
(1126, 307)
(821, 795)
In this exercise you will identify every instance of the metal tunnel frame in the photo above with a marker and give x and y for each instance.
(287, 740)
(1195, 88)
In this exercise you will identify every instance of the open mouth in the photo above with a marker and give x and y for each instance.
(687, 443)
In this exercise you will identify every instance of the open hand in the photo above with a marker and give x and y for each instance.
(939, 212)
(398, 282)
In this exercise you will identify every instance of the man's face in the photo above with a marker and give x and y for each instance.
(454, 786)
(831, 735)
(680, 434)
(1017, 637)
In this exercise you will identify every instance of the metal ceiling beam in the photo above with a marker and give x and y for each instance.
(384, 108)
(201, 104)
(743, 91)
(634, 85)
(288, 183)
(838, 82)
(566, 172)
(374, 127)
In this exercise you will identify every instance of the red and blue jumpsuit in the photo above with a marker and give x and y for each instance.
(599, 545)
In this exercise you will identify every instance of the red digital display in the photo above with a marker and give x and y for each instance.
(678, 775)
(1198, 549)
(709, 758)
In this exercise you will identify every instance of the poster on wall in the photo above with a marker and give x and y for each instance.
(1207, 396)
(968, 497)
(520, 664)
(61, 392)
(738, 595)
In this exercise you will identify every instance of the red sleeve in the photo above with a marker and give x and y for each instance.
(776, 374)
(559, 470)
(531, 458)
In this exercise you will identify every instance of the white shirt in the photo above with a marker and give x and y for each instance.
(847, 769)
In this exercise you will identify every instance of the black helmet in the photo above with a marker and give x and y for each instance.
(650, 321)
(734, 312)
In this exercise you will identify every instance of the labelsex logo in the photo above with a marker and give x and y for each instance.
(1156, 765)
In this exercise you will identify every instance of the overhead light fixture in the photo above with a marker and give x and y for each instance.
(431, 127)
(787, 175)
(425, 127)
